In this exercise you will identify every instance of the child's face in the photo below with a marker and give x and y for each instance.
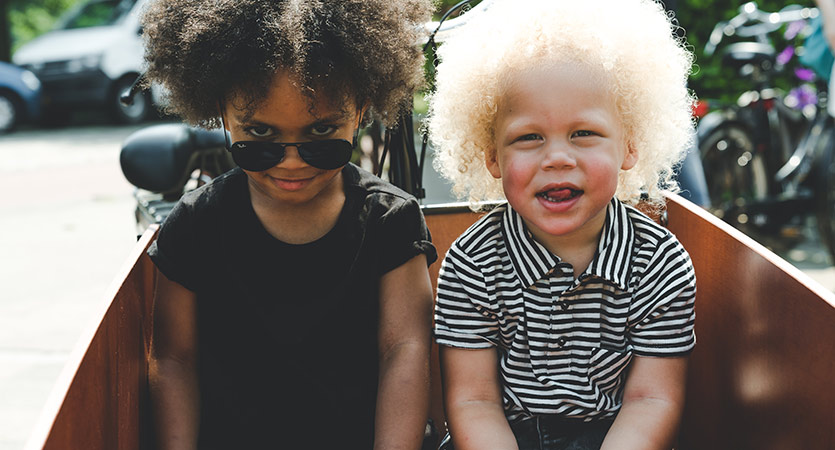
(286, 115)
(559, 146)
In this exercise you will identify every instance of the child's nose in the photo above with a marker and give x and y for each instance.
(558, 155)
(292, 159)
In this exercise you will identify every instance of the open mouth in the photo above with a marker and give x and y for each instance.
(559, 195)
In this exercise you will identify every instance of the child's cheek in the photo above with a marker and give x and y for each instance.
(604, 175)
(517, 176)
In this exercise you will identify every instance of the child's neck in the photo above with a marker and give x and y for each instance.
(300, 223)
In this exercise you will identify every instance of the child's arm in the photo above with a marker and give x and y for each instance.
(653, 400)
(473, 399)
(404, 339)
(173, 366)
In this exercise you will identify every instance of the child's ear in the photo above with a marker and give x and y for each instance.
(490, 160)
(221, 110)
(363, 110)
(630, 158)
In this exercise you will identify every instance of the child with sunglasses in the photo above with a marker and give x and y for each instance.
(293, 309)
(565, 315)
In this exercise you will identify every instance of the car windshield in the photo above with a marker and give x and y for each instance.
(98, 13)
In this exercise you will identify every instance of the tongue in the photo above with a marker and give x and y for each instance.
(560, 194)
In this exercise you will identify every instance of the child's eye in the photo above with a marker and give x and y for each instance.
(322, 130)
(583, 133)
(529, 137)
(259, 131)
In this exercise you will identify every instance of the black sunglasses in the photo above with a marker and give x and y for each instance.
(257, 156)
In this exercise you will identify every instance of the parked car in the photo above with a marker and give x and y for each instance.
(93, 55)
(20, 96)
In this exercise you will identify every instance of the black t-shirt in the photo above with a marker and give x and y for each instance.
(288, 333)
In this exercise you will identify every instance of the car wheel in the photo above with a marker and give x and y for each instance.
(8, 113)
(137, 111)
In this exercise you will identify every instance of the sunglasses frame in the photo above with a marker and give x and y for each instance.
(278, 150)
(338, 153)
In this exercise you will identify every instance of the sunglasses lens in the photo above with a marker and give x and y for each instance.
(256, 156)
(328, 154)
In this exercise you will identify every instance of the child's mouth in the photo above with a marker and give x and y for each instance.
(559, 195)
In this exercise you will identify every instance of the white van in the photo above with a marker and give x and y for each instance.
(93, 55)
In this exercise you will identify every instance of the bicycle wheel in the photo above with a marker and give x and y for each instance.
(735, 174)
(825, 190)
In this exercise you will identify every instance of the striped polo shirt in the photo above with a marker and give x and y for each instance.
(564, 343)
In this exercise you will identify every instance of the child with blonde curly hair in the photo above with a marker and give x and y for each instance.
(564, 315)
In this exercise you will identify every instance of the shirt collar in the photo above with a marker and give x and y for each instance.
(613, 260)
(532, 261)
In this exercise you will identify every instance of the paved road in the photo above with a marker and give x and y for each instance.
(801, 247)
(66, 227)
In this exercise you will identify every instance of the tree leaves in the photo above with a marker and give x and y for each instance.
(27, 19)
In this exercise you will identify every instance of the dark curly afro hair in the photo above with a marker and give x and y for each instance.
(203, 51)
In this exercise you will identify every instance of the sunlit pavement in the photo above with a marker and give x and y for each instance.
(66, 227)
(800, 246)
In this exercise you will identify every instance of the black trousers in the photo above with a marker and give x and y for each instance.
(554, 433)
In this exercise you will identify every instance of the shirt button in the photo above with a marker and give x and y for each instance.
(561, 341)
(564, 305)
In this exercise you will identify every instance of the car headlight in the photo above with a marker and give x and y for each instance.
(34, 67)
(30, 80)
(88, 62)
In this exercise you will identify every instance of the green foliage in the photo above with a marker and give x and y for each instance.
(29, 19)
(711, 79)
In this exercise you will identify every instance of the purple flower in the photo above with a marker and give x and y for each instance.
(804, 74)
(786, 55)
(794, 28)
(803, 95)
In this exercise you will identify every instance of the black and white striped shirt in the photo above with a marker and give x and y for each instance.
(564, 343)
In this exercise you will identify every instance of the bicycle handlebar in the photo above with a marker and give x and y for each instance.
(753, 22)
(442, 29)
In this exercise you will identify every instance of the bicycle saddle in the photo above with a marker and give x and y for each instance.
(156, 158)
(742, 53)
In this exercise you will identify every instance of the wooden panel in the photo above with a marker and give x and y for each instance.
(761, 374)
(101, 398)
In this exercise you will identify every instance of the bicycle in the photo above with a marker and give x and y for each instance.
(766, 157)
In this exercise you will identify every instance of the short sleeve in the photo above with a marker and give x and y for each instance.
(174, 251)
(664, 314)
(401, 235)
(463, 317)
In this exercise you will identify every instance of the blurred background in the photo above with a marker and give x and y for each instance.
(69, 216)
(85, 49)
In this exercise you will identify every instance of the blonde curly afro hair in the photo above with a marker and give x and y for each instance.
(203, 51)
(632, 42)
